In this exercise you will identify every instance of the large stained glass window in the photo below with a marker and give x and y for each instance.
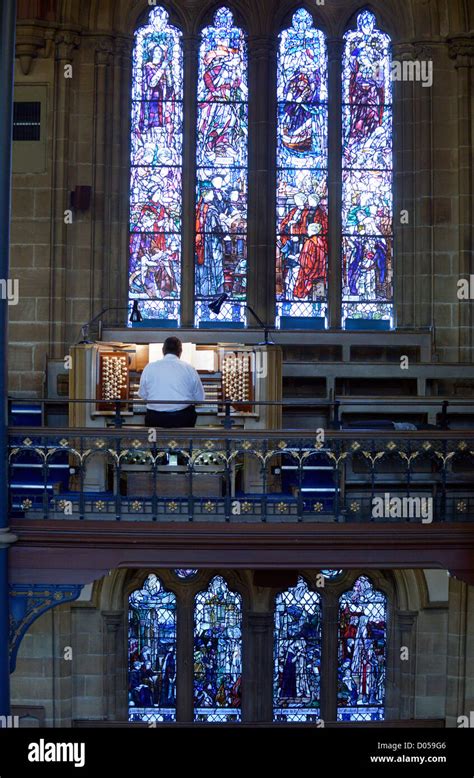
(221, 205)
(362, 653)
(156, 169)
(217, 653)
(297, 655)
(302, 159)
(152, 653)
(367, 253)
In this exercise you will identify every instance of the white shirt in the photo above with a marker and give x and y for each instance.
(170, 379)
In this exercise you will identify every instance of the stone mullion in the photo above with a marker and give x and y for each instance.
(114, 673)
(335, 49)
(120, 177)
(100, 266)
(65, 44)
(404, 235)
(457, 652)
(257, 675)
(185, 660)
(402, 706)
(329, 655)
(190, 52)
(261, 266)
(462, 51)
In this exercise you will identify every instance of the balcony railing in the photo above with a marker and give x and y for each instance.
(233, 475)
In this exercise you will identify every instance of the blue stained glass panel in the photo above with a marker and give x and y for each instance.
(217, 653)
(302, 148)
(367, 207)
(221, 196)
(297, 655)
(156, 162)
(362, 653)
(152, 653)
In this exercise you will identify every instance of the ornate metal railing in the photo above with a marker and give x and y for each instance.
(222, 475)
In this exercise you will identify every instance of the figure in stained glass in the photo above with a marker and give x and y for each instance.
(222, 138)
(367, 173)
(152, 653)
(156, 162)
(362, 653)
(217, 653)
(302, 170)
(297, 654)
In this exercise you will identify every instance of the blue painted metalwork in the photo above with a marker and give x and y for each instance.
(7, 59)
(28, 602)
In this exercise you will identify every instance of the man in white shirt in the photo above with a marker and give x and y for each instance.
(171, 379)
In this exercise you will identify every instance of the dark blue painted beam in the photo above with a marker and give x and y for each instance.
(7, 60)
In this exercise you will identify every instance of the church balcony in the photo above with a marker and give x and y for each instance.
(258, 498)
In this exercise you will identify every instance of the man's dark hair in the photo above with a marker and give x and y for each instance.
(172, 345)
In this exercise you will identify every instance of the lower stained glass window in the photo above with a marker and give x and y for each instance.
(297, 655)
(217, 653)
(362, 653)
(152, 653)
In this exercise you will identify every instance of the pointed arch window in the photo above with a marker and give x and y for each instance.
(222, 178)
(217, 653)
(362, 641)
(156, 169)
(367, 176)
(152, 653)
(302, 174)
(297, 655)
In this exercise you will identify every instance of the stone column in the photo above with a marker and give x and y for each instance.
(257, 686)
(66, 41)
(328, 668)
(404, 706)
(461, 49)
(115, 676)
(119, 180)
(261, 259)
(185, 660)
(335, 49)
(102, 143)
(457, 665)
(403, 158)
(190, 53)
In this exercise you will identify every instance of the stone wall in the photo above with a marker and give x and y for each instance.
(68, 272)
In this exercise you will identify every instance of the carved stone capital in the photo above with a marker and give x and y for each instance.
(66, 42)
(123, 47)
(461, 49)
(404, 52)
(261, 46)
(31, 39)
(335, 49)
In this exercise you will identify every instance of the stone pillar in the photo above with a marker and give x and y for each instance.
(66, 42)
(185, 660)
(115, 676)
(404, 199)
(328, 668)
(190, 53)
(261, 262)
(119, 180)
(7, 58)
(102, 144)
(335, 49)
(461, 49)
(404, 706)
(257, 687)
(457, 664)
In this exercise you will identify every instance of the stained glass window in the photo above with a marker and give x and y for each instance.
(156, 169)
(185, 574)
(297, 655)
(217, 653)
(331, 574)
(362, 653)
(152, 653)
(221, 205)
(367, 254)
(302, 194)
